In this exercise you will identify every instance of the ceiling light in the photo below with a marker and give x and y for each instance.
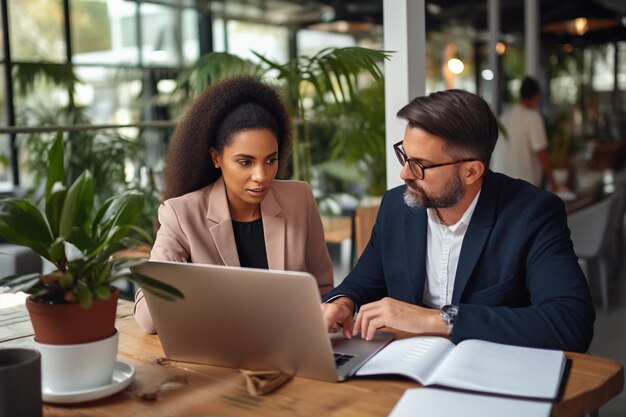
(487, 74)
(456, 66)
(579, 26)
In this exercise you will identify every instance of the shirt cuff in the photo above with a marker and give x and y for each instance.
(330, 300)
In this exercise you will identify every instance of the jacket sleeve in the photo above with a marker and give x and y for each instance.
(560, 314)
(318, 261)
(366, 282)
(171, 244)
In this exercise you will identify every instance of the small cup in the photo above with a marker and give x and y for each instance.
(20, 383)
(67, 368)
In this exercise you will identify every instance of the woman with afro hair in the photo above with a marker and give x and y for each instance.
(222, 203)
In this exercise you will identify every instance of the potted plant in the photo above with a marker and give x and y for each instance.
(76, 303)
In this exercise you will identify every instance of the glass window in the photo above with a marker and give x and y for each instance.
(219, 39)
(161, 32)
(36, 30)
(603, 60)
(91, 26)
(6, 181)
(3, 111)
(191, 44)
(110, 95)
(1, 31)
(312, 41)
(245, 37)
(104, 32)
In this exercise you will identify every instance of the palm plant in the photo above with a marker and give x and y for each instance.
(360, 137)
(26, 74)
(331, 76)
(214, 67)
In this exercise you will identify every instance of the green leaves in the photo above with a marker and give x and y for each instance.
(332, 72)
(77, 205)
(66, 233)
(21, 223)
(84, 295)
(56, 169)
(158, 288)
(116, 218)
(15, 283)
(214, 67)
(26, 75)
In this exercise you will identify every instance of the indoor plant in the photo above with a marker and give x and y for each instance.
(311, 84)
(79, 242)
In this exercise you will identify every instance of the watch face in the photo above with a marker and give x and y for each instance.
(449, 312)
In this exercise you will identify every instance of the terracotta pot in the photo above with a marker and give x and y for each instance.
(68, 324)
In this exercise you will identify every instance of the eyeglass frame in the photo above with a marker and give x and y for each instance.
(400, 154)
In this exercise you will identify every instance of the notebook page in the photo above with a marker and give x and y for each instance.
(416, 357)
(491, 367)
(430, 402)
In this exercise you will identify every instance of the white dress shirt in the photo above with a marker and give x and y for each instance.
(442, 255)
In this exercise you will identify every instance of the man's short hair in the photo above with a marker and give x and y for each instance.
(464, 121)
(529, 88)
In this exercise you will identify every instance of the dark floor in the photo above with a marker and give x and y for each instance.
(610, 327)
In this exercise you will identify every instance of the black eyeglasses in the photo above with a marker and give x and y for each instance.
(416, 167)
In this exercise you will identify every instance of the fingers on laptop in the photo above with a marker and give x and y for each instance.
(370, 318)
(337, 317)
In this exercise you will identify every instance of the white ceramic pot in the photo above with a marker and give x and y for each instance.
(66, 368)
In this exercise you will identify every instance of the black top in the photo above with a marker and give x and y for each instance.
(250, 243)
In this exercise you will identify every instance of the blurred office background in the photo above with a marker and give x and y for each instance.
(114, 76)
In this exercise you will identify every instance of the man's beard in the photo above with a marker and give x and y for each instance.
(415, 197)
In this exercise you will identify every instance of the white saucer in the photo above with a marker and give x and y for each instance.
(123, 375)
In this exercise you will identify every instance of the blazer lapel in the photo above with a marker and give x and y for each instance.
(477, 234)
(222, 231)
(415, 247)
(274, 231)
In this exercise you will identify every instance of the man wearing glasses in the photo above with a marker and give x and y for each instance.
(462, 251)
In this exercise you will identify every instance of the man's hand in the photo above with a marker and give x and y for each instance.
(338, 313)
(398, 315)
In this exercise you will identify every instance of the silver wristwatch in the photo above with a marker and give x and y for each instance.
(448, 314)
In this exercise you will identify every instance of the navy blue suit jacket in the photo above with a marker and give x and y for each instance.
(518, 280)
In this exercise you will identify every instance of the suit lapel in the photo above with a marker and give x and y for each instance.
(222, 230)
(274, 231)
(477, 234)
(415, 247)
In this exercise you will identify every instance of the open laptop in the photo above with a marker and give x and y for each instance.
(253, 319)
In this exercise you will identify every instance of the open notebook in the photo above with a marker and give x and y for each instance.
(474, 365)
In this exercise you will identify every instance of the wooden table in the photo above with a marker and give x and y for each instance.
(337, 228)
(163, 388)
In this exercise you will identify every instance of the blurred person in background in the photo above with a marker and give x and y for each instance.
(522, 151)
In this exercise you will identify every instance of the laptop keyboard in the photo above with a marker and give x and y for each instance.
(341, 359)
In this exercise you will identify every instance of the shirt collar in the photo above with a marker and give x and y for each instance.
(465, 218)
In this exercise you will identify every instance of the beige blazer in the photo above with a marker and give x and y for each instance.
(197, 227)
